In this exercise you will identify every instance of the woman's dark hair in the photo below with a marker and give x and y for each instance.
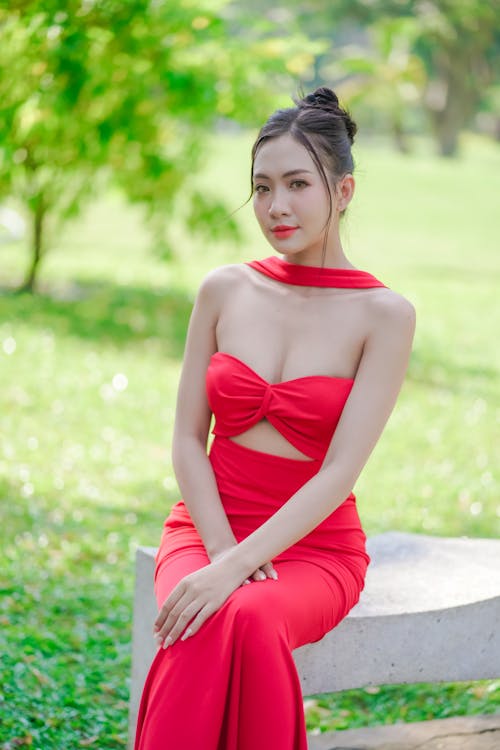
(323, 127)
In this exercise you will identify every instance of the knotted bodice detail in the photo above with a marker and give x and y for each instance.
(304, 410)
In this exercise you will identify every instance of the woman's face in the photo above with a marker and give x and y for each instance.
(290, 200)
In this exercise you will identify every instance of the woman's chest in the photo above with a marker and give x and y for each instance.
(286, 335)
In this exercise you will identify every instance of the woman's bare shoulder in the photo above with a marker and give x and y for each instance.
(391, 311)
(222, 281)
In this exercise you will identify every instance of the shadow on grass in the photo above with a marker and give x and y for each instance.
(105, 312)
(126, 315)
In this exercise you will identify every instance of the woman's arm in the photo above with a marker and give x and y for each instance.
(192, 467)
(378, 381)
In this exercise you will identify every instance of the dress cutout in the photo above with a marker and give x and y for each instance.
(234, 685)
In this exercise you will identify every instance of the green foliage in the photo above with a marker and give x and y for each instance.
(124, 91)
(459, 43)
(395, 56)
(384, 79)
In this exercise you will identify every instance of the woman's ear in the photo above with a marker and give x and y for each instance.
(344, 191)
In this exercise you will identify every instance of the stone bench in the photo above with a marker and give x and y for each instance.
(429, 612)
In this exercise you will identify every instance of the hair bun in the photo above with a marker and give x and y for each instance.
(350, 125)
(323, 97)
(326, 99)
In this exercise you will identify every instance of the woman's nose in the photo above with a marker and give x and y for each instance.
(278, 209)
(278, 206)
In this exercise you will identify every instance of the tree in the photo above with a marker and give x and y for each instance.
(123, 91)
(385, 74)
(456, 41)
(459, 43)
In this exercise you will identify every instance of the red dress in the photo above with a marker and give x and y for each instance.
(234, 685)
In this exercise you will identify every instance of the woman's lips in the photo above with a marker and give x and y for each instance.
(282, 232)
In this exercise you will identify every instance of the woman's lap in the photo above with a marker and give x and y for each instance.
(305, 602)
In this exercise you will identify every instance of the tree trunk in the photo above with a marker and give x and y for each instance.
(38, 220)
(448, 131)
(460, 97)
(451, 120)
(400, 137)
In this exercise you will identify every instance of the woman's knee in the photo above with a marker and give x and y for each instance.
(171, 569)
(254, 609)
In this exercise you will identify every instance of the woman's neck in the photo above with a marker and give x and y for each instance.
(317, 259)
(319, 256)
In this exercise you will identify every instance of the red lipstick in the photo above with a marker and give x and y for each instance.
(283, 231)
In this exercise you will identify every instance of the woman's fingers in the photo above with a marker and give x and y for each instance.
(198, 621)
(264, 572)
(197, 596)
(259, 575)
(176, 621)
(269, 571)
(173, 600)
(202, 591)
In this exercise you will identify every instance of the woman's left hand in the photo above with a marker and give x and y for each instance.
(196, 597)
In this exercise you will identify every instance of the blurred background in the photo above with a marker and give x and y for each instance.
(125, 137)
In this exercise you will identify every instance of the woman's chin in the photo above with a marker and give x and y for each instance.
(291, 252)
(285, 252)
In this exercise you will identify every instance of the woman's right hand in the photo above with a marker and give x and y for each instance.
(261, 574)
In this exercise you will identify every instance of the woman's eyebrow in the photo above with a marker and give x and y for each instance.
(261, 176)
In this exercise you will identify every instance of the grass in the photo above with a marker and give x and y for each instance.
(88, 377)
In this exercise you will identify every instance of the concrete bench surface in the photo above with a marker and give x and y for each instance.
(429, 612)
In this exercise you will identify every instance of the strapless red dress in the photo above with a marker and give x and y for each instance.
(234, 685)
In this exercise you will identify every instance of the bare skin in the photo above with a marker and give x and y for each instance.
(283, 332)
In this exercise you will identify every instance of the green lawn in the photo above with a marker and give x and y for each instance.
(88, 378)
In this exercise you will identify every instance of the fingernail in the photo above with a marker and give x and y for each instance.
(274, 575)
(186, 634)
(167, 642)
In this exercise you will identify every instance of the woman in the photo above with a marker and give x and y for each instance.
(300, 359)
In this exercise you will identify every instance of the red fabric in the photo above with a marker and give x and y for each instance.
(293, 273)
(304, 410)
(233, 685)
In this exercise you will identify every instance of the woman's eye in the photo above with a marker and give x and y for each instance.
(260, 188)
(298, 184)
